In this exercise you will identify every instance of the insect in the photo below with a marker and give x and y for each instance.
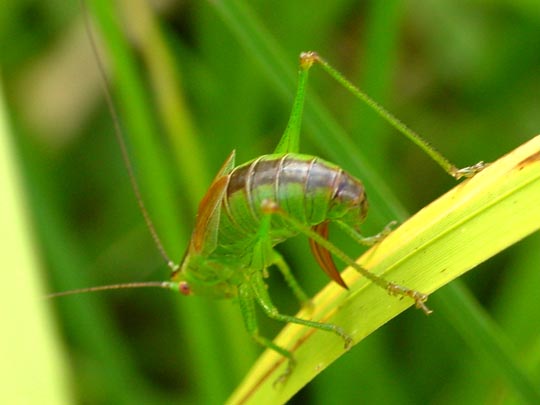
(250, 208)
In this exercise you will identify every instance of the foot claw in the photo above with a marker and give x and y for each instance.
(346, 338)
(348, 342)
(418, 297)
(469, 171)
(284, 377)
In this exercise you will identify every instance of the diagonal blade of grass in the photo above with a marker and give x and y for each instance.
(469, 224)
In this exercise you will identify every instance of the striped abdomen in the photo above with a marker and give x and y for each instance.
(306, 187)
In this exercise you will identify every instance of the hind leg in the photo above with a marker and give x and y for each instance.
(270, 207)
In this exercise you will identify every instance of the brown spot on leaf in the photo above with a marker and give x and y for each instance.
(528, 161)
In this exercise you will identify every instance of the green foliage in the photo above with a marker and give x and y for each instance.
(463, 74)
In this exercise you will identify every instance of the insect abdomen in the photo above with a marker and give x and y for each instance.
(306, 187)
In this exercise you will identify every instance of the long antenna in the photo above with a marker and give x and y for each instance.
(122, 143)
(168, 285)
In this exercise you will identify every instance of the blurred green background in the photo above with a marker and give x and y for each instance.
(194, 80)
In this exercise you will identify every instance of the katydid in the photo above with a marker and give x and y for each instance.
(250, 208)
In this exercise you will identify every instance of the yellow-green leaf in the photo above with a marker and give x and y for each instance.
(471, 223)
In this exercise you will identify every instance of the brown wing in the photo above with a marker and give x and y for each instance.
(204, 237)
(323, 256)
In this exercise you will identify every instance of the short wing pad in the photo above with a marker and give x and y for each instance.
(227, 166)
(205, 234)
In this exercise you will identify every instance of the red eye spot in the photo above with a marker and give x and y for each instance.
(184, 288)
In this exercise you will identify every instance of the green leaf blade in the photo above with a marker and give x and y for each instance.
(471, 223)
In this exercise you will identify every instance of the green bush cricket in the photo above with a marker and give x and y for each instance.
(248, 209)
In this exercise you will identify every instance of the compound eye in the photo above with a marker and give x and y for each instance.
(184, 288)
